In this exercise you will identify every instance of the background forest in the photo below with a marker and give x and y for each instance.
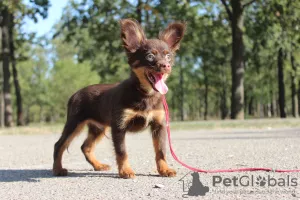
(239, 58)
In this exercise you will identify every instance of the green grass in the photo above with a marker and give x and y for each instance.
(32, 129)
(188, 125)
(237, 124)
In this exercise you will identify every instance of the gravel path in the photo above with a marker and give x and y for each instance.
(26, 160)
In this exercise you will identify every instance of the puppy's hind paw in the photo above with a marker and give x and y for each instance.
(102, 167)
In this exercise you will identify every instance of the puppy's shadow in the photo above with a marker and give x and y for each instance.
(34, 175)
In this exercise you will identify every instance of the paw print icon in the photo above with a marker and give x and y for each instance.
(261, 181)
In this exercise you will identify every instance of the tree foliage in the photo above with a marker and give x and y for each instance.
(86, 49)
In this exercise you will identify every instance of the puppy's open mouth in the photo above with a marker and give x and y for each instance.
(157, 82)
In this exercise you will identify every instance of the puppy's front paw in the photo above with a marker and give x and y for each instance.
(102, 167)
(167, 172)
(60, 172)
(127, 173)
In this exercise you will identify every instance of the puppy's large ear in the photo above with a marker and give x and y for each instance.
(173, 34)
(132, 35)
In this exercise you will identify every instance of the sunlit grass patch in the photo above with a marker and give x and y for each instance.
(176, 125)
(33, 129)
(237, 124)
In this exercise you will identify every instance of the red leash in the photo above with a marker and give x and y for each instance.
(216, 170)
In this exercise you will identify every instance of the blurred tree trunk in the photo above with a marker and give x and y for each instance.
(190, 115)
(250, 106)
(223, 100)
(1, 77)
(224, 109)
(264, 110)
(235, 15)
(20, 121)
(147, 13)
(298, 94)
(281, 84)
(217, 111)
(139, 11)
(27, 117)
(258, 109)
(6, 73)
(273, 105)
(41, 115)
(261, 109)
(269, 113)
(205, 92)
(237, 62)
(181, 93)
(200, 104)
(293, 88)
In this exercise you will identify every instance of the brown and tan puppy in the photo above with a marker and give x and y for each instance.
(130, 106)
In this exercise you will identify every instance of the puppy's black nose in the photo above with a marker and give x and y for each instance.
(166, 66)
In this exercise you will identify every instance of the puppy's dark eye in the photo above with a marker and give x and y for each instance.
(168, 57)
(150, 57)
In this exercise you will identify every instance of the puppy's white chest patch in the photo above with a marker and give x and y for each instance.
(138, 120)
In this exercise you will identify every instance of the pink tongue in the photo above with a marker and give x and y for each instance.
(160, 84)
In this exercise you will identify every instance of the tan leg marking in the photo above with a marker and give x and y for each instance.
(162, 166)
(58, 170)
(125, 170)
(88, 149)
